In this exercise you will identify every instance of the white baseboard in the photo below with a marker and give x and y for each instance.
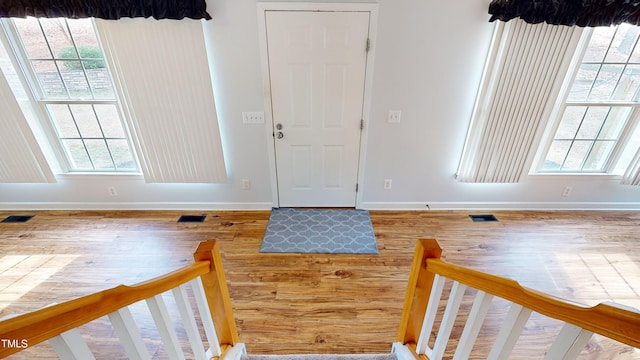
(500, 206)
(133, 206)
(365, 205)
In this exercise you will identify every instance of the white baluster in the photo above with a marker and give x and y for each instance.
(510, 332)
(236, 352)
(474, 323)
(70, 345)
(570, 341)
(449, 317)
(129, 334)
(189, 321)
(168, 335)
(205, 316)
(402, 352)
(432, 308)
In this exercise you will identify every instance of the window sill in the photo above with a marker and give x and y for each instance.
(601, 176)
(128, 175)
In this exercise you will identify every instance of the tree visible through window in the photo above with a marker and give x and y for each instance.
(70, 79)
(595, 131)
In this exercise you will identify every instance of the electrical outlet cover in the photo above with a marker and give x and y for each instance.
(394, 116)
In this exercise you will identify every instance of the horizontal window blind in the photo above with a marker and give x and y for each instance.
(524, 70)
(162, 73)
(21, 159)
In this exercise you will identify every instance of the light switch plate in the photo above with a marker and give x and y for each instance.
(253, 117)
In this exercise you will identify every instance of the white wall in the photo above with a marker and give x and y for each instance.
(429, 58)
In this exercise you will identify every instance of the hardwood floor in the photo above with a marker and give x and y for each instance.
(320, 303)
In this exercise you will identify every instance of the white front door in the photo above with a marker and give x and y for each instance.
(317, 63)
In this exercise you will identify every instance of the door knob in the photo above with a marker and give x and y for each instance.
(279, 135)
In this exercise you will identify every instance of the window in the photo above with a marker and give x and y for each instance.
(595, 131)
(64, 65)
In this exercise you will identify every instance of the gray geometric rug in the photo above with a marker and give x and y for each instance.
(319, 231)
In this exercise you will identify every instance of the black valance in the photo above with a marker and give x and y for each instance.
(105, 9)
(568, 12)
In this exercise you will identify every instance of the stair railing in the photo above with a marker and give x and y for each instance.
(58, 323)
(423, 299)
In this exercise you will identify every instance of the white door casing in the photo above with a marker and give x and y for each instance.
(317, 63)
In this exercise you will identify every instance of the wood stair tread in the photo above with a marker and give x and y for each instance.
(389, 356)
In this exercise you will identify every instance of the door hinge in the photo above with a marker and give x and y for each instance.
(356, 187)
(368, 45)
(361, 124)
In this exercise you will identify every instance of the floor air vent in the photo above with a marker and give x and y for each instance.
(483, 218)
(192, 218)
(17, 218)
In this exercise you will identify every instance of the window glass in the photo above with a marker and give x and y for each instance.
(601, 105)
(73, 84)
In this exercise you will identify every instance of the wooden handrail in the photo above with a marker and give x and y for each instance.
(614, 322)
(215, 285)
(43, 324)
(418, 289)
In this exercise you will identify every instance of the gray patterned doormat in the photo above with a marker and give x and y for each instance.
(319, 231)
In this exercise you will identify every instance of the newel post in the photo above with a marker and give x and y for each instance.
(418, 291)
(217, 292)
